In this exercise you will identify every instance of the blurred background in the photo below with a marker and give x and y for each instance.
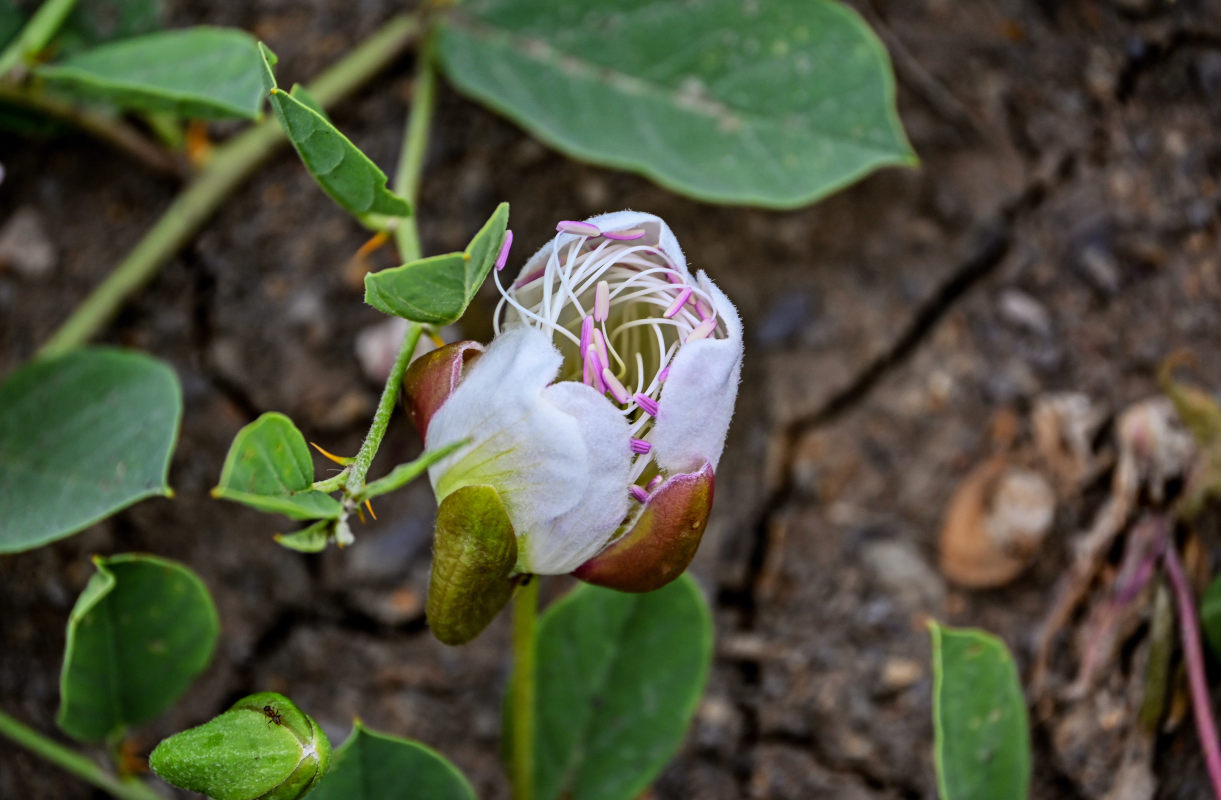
(1060, 235)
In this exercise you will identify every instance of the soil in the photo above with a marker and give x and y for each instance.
(1061, 233)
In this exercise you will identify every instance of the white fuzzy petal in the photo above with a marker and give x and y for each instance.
(579, 534)
(698, 396)
(551, 452)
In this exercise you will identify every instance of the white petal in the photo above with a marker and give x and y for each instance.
(697, 398)
(579, 534)
(551, 452)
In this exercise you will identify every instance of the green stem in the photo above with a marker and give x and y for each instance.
(525, 611)
(407, 184)
(37, 32)
(73, 762)
(385, 407)
(230, 166)
(103, 127)
(415, 142)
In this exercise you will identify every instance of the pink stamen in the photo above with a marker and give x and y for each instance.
(640, 446)
(678, 303)
(587, 332)
(625, 236)
(653, 484)
(647, 403)
(675, 277)
(616, 388)
(639, 494)
(701, 331)
(579, 228)
(602, 301)
(599, 342)
(665, 373)
(594, 365)
(503, 258)
(703, 309)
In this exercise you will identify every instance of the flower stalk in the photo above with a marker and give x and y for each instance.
(525, 613)
(73, 762)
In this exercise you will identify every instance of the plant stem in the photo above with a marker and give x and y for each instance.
(381, 417)
(411, 158)
(73, 762)
(103, 127)
(37, 32)
(407, 184)
(525, 612)
(1193, 655)
(230, 166)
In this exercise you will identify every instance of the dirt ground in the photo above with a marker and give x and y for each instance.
(1060, 234)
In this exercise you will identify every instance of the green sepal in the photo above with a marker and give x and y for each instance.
(263, 748)
(474, 551)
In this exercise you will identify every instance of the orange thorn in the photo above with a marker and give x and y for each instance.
(198, 146)
(379, 239)
(342, 461)
(369, 506)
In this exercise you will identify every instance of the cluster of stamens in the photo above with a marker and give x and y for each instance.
(618, 311)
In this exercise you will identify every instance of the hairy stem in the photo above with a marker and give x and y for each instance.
(1193, 655)
(230, 166)
(411, 159)
(525, 612)
(407, 184)
(73, 762)
(103, 127)
(37, 32)
(385, 407)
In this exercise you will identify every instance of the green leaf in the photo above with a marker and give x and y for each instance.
(205, 72)
(979, 715)
(82, 436)
(140, 632)
(372, 765)
(1210, 616)
(437, 290)
(312, 539)
(773, 104)
(263, 747)
(619, 677)
(340, 168)
(269, 467)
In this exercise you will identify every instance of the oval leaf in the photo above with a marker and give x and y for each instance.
(618, 679)
(437, 290)
(372, 765)
(780, 103)
(140, 632)
(979, 714)
(82, 436)
(340, 168)
(205, 72)
(263, 747)
(269, 467)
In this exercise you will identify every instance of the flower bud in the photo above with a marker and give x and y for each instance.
(262, 748)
